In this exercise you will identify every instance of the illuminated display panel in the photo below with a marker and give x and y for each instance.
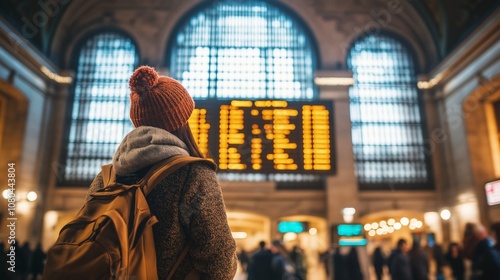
(266, 136)
(349, 235)
(492, 190)
(291, 226)
(350, 230)
(200, 127)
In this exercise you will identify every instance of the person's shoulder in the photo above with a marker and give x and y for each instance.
(204, 164)
(494, 254)
(400, 257)
(264, 253)
(202, 168)
(276, 259)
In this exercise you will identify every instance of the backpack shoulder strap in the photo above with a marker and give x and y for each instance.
(166, 167)
(108, 175)
(179, 261)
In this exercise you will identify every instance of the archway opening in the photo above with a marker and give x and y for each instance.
(249, 229)
(384, 228)
(311, 242)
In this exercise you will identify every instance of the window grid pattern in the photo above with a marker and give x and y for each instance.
(246, 49)
(100, 115)
(250, 49)
(387, 128)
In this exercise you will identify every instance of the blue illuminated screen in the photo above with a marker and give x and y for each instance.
(291, 226)
(349, 230)
(353, 242)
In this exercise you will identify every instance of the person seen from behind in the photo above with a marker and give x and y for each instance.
(353, 265)
(243, 258)
(379, 261)
(260, 264)
(37, 261)
(419, 262)
(455, 260)
(479, 248)
(400, 263)
(340, 265)
(495, 227)
(326, 260)
(299, 261)
(4, 273)
(281, 265)
(187, 203)
(437, 253)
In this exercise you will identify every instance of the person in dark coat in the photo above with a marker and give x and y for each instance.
(390, 260)
(353, 266)
(37, 261)
(23, 261)
(4, 274)
(400, 263)
(326, 259)
(260, 264)
(340, 266)
(188, 203)
(299, 262)
(437, 252)
(495, 227)
(379, 261)
(280, 264)
(456, 261)
(479, 248)
(243, 258)
(419, 263)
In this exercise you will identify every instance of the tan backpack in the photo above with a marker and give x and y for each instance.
(112, 235)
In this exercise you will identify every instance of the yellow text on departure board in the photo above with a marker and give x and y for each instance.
(265, 135)
(200, 128)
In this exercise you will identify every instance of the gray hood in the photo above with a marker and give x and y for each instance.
(145, 146)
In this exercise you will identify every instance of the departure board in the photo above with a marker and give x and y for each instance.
(266, 136)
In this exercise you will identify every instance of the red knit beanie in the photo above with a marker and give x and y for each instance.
(158, 101)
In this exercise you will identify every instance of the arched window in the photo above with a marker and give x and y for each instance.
(251, 49)
(100, 113)
(387, 130)
(243, 49)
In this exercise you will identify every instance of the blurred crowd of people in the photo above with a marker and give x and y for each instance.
(278, 263)
(29, 263)
(413, 264)
(478, 247)
(274, 263)
(407, 262)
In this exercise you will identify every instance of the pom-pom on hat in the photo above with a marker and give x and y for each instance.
(158, 101)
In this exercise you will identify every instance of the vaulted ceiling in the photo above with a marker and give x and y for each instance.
(451, 21)
(448, 21)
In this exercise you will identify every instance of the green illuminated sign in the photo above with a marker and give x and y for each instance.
(351, 235)
(352, 242)
(291, 226)
(350, 230)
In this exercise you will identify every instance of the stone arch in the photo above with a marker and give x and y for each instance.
(318, 238)
(387, 238)
(481, 128)
(249, 228)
